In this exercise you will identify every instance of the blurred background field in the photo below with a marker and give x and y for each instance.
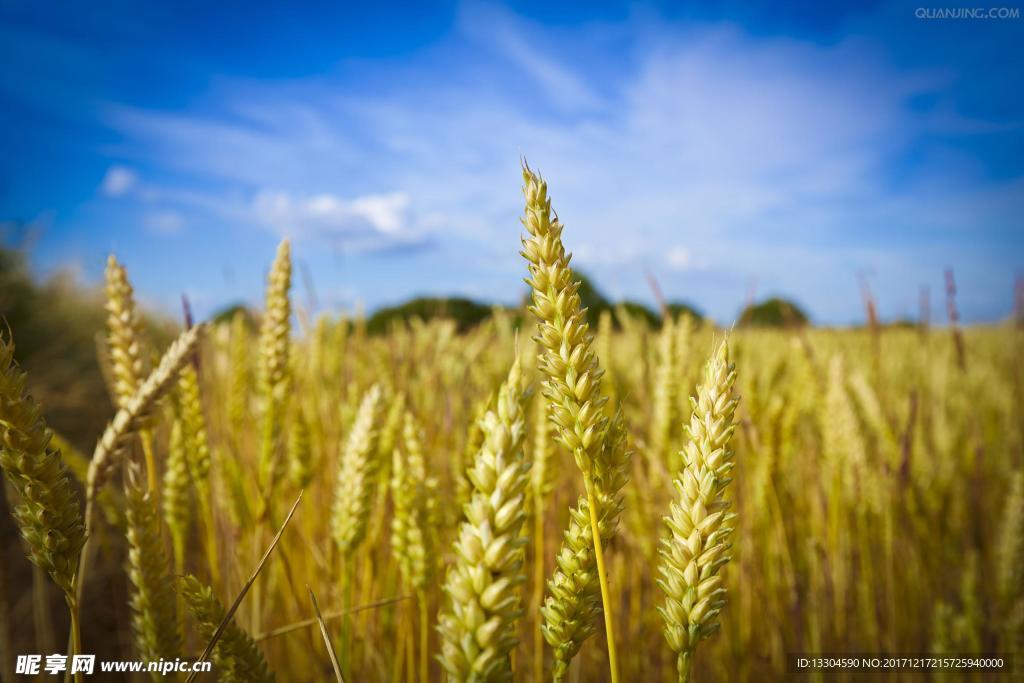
(878, 477)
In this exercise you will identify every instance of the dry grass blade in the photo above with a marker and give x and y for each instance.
(327, 638)
(305, 623)
(245, 589)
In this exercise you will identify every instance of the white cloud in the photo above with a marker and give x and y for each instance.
(164, 222)
(679, 258)
(118, 181)
(328, 215)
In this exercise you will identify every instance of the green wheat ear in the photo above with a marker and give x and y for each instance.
(236, 657)
(48, 511)
(699, 521)
(478, 631)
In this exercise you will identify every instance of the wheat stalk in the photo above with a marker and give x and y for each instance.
(478, 631)
(699, 520)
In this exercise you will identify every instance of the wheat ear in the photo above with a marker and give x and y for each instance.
(177, 494)
(236, 657)
(239, 381)
(128, 419)
(116, 438)
(412, 527)
(300, 450)
(357, 474)
(573, 389)
(478, 631)
(699, 520)
(48, 513)
(124, 330)
(414, 523)
(154, 617)
(125, 346)
(541, 482)
(665, 383)
(274, 377)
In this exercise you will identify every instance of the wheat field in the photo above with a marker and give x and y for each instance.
(539, 497)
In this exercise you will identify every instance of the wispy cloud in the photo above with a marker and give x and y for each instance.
(164, 222)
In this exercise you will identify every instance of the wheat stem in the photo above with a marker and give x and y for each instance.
(606, 598)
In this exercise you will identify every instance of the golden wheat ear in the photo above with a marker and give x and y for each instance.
(478, 629)
(580, 590)
(129, 419)
(700, 521)
(357, 474)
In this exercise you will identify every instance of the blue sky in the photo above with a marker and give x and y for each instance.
(775, 148)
